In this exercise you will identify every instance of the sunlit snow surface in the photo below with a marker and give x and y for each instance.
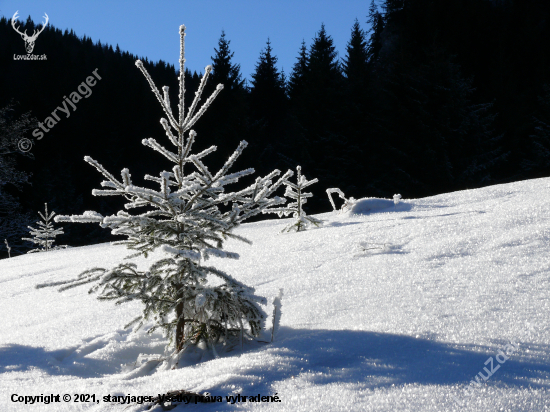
(397, 309)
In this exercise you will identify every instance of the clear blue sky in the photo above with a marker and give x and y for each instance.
(150, 28)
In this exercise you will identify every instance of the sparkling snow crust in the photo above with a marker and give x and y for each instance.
(393, 308)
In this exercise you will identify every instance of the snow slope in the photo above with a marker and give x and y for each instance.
(398, 309)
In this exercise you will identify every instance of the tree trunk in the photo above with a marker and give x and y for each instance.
(180, 325)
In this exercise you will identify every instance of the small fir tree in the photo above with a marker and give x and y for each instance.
(8, 247)
(295, 192)
(188, 218)
(45, 235)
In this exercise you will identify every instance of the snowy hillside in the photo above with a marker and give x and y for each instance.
(394, 310)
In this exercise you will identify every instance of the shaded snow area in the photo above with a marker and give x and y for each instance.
(434, 304)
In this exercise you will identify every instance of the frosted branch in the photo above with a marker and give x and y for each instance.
(231, 159)
(168, 131)
(166, 108)
(153, 144)
(204, 170)
(198, 94)
(103, 171)
(181, 253)
(340, 193)
(206, 152)
(205, 106)
(165, 90)
(187, 149)
(86, 217)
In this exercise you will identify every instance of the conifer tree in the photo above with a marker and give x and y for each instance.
(355, 63)
(295, 192)
(323, 60)
(391, 7)
(224, 71)
(295, 139)
(436, 138)
(356, 107)
(376, 23)
(45, 234)
(267, 108)
(538, 160)
(267, 95)
(540, 147)
(187, 220)
(227, 120)
(321, 113)
(299, 73)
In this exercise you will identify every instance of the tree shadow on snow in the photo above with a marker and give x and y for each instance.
(95, 357)
(322, 357)
(21, 358)
(478, 212)
(375, 360)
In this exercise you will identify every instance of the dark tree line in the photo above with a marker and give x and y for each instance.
(433, 97)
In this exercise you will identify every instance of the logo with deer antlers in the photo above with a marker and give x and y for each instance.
(29, 40)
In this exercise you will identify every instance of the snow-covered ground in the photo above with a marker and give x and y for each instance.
(398, 309)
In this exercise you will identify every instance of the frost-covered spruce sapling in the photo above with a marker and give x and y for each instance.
(295, 191)
(44, 236)
(188, 218)
(8, 247)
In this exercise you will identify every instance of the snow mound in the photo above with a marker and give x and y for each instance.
(368, 205)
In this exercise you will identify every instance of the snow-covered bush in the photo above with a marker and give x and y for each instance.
(188, 218)
(45, 235)
(295, 192)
